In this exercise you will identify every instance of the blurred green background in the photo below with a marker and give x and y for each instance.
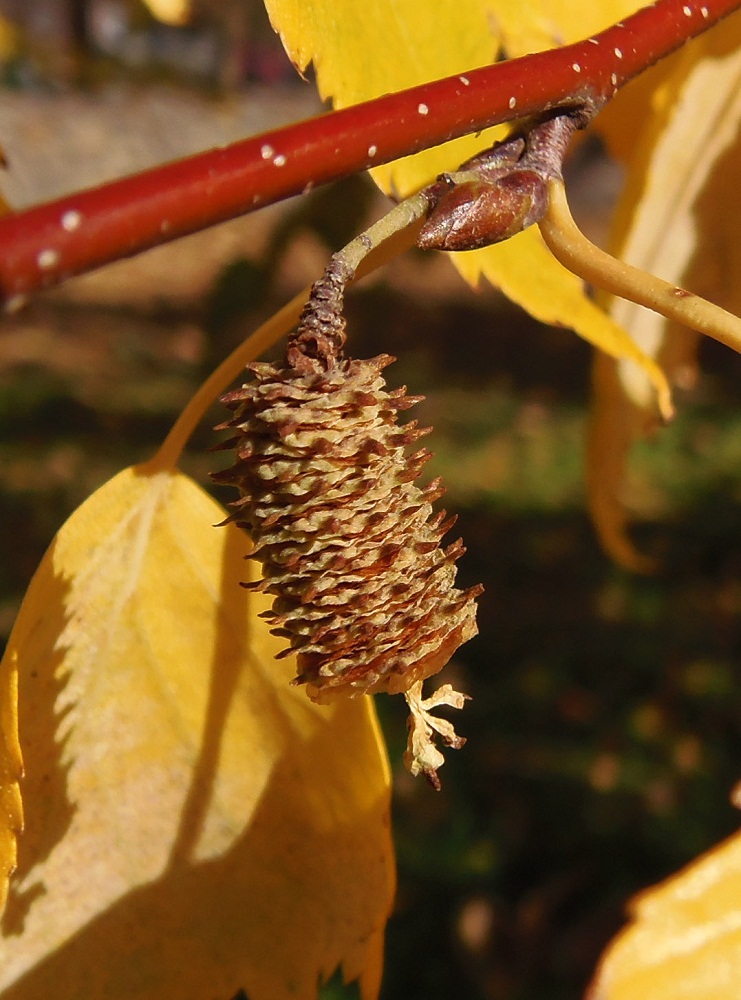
(603, 734)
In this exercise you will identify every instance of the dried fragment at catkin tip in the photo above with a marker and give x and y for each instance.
(349, 544)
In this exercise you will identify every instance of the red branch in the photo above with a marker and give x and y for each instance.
(49, 243)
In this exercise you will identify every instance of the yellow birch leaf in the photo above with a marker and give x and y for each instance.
(614, 424)
(11, 760)
(174, 12)
(11, 767)
(194, 824)
(674, 220)
(660, 225)
(398, 44)
(684, 939)
(395, 44)
(534, 25)
(559, 295)
(401, 43)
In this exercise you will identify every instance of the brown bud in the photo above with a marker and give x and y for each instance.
(478, 213)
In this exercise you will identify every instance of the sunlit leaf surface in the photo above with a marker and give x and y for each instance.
(194, 825)
(533, 25)
(684, 942)
(11, 813)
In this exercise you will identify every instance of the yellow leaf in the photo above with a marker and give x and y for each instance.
(174, 12)
(195, 825)
(11, 767)
(395, 44)
(534, 25)
(614, 425)
(675, 220)
(679, 157)
(399, 43)
(684, 940)
(556, 294)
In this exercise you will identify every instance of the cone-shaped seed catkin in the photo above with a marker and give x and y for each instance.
(350, 545)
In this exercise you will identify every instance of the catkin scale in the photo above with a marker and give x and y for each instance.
(349, 544)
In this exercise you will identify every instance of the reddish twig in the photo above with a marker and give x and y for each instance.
(44, 245)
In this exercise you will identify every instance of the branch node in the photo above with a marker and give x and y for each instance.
(504, 190)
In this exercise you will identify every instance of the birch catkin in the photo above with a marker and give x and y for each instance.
(349, 543)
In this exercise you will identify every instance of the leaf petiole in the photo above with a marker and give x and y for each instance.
(571, 247)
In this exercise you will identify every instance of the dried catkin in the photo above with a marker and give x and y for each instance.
(349, 544)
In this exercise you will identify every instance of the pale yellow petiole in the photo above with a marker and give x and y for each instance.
(571, 247)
